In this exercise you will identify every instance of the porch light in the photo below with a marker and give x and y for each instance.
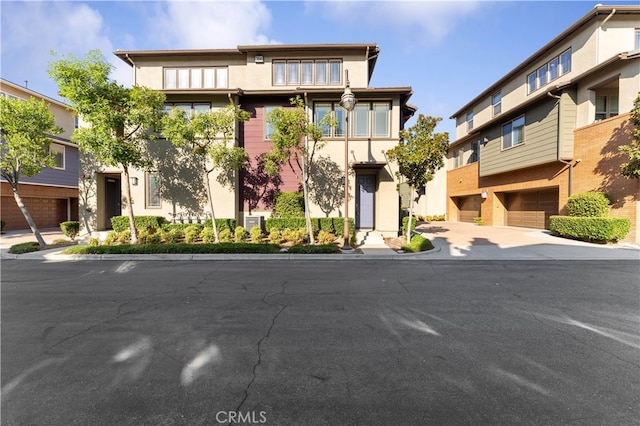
(348, 102)
(133, 180)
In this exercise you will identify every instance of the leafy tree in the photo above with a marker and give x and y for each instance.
(419, 155)
(296, 139)
(631, 169)
(121, 120)
(24, 150)
(205, 136)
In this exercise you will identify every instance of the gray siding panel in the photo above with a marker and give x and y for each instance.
(57, 177)
(540, 142)
(568, 117)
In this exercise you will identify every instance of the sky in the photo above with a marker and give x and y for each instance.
(447, 51)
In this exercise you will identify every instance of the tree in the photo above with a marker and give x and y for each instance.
(205, 136)
(24, 151)
(295, 141)
(121, 120)
(631, 169)
(419, 155)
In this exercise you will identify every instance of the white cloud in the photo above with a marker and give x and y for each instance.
(210, 24)
(420, 23)
(31, 30)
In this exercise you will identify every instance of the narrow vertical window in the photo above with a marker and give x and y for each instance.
(553, 69)
(183, 78)
(565, 62)
(307, 72)
(637, 45)
(170, 79)
(361, 120)
(321, 72)
(613, 106)
(321, 111)
(475, 152)
(601, 108)
(153, 189)
(293, 72)
(196, 78)
(496, 103)
(335, 76)
(221, 78)
(531, 82)
(58, 153)
(279, 72)
(513, 133)
(469, 121)
(268, 127)
(381, 119)
(209, 78)
(339, 116)
(542, 75)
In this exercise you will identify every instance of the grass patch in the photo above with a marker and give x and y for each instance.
(23, 248)
(319, 249)
(221, 248)
(418, 243)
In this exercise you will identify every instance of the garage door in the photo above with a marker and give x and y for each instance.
(469, 208)
(46, 212)
(531, 209)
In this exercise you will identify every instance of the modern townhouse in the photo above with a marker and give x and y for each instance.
(52, 195)
(551, 128)
(259, 79)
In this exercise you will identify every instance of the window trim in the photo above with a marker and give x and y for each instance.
(371, 120)
(147, 190)
(56, 148)
(469, 120)
(533, 79)
(327, 64)
(174, 73)
(511, 133)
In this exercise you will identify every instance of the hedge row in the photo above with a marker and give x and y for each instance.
(121, 223)
(592, 229)
(334, 225)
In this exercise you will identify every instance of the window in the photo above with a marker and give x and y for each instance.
(553, 69)
(469, 121)
(190, 108)
(76, 122)
(361, 120)
(606, 107)
(339, 115)
(475, 152)
(513, 133)
(195, 78)
(637, 44)
(457, 158)
(381, 119)
(153, 190)
(531, 82)
(268, 127)
(496, 103)
(565, 62)
(320, 111)
(58, 151)
(542, 75)
(368, 119)
(307, 72)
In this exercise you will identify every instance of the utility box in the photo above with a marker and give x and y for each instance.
(251, 221)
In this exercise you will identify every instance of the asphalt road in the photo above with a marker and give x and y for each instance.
(320, 343)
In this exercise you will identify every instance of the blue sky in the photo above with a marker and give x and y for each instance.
(448, 52)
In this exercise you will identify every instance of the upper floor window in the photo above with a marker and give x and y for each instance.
(475, 152)
(307, 72)
(268, 127)
(606, 107)
(469, 120)
(548, 72)
(152, 189)
(637, 44)
(496, 103)
(513, 133)
(190, 108)
(196, 78)
(58, 151)
(369, 119)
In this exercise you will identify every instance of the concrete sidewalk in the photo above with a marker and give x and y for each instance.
(452, 240)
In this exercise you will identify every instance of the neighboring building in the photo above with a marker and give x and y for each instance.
(51, 196)
(551, 128)
(258, 79)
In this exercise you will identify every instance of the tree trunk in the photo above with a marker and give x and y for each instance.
(305, 194)
(127, 193)
(205, 177)
(411, 201)
(27, 216)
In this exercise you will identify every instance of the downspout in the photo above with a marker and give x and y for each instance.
(603, 29)
(613, 12)
(133, 67)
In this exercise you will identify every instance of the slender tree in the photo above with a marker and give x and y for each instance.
(631, 169)
(24, 151)
(419, 155)
(206, 138)
(121, 120)
(296, 140)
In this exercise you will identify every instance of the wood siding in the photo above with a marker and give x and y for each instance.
(567, 123)
(540, 142)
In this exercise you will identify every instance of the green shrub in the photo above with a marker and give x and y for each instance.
(22, 248)
(588, 204)
(173, 236)
(207, 235)
(224, 223)
(274, 236)
(192, 233)
(225, 236)
(433, 218)
(405, 221)
(289, 204)
(256, 234)
(94, 242)
(418, 243)
(176, 249)
(240, 234)
(325, 237)
(592, 229)
(70, 229)
(120, 223)
(112, 237)
(478, 221)
(318, 249)
(329, 224)
(154, 238)
(124, 236)
(295, 236)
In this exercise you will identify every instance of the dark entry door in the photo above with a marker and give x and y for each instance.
(112, 203)
(365, 190)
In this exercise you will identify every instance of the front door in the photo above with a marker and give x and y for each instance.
(365, 191)
(112, 202)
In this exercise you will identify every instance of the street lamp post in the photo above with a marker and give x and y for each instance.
(348, 102)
